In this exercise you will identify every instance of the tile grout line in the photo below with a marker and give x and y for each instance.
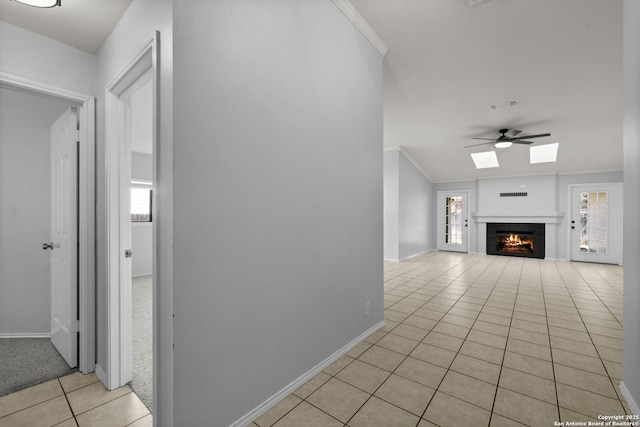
(592, 343)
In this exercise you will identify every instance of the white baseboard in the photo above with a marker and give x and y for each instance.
(273, 400)
(418, 254)
(410, 256)
(101, 375)
(26, 335)
(633, 405)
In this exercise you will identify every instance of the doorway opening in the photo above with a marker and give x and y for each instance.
(453, 221)
(595, 232)
(75, 316)
(131, 99)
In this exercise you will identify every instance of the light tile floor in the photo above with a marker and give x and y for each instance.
(474, 340)
(468, 340)
(73, 400)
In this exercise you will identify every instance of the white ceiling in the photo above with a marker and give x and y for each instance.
(83, 24)
(447, 62)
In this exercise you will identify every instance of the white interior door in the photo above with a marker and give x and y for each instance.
(64, 236)
(453, 221)
(596, 223)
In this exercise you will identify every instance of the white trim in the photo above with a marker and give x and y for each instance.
(102, 376)
(287, 390)
(415, 255)
(633, 405)
(358, 21)
(26, 335)
(134, 276)
(546, 217)
(119, 364)
(86, 207)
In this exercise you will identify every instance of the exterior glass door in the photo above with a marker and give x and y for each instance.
(453, 222)
(596, 223)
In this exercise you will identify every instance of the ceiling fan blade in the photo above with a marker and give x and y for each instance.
(515, 133)
(475, 145)
(486, 139)
(541, 135)
(520, 141)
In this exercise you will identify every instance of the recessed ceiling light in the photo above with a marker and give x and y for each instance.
(486, 159)
(40, 3)
(543, 153)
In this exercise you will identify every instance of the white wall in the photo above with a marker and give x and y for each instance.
(278, 180)
(35, 57)
(540, 189)
(631, 133)
(25, 212)
(136, 27)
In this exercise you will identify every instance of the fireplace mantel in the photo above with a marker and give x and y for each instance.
(541, 217)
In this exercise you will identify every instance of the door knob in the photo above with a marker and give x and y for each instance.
(51, 245)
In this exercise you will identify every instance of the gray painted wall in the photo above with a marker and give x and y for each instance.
(278, 180)
(25, 211)
(391, 179)
(408, 213)
(631, 133)
(35, 57)
(416, 198)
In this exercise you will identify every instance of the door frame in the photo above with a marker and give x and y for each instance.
(86, 208)
(440, 194)
(617, 204)
(119, 365)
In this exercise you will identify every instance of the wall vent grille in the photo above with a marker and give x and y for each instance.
(522, 194)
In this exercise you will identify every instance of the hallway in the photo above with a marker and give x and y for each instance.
(468, 340)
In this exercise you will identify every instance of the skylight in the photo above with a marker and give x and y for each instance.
(486, 159)
(543, 153)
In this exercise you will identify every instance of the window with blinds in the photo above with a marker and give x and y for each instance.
(141, 204)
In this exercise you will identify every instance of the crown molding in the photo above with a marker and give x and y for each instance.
(358, 21)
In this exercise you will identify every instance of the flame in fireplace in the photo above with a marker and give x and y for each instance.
(514, 239)
(514, 243)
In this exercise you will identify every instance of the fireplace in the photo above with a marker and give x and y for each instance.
(516, 239)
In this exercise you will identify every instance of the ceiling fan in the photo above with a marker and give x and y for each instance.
(505, 141)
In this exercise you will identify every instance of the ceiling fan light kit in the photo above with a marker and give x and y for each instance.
(539, 154)
(41, 3)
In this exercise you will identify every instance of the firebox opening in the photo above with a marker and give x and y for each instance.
(516, 239)
(514, 242)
